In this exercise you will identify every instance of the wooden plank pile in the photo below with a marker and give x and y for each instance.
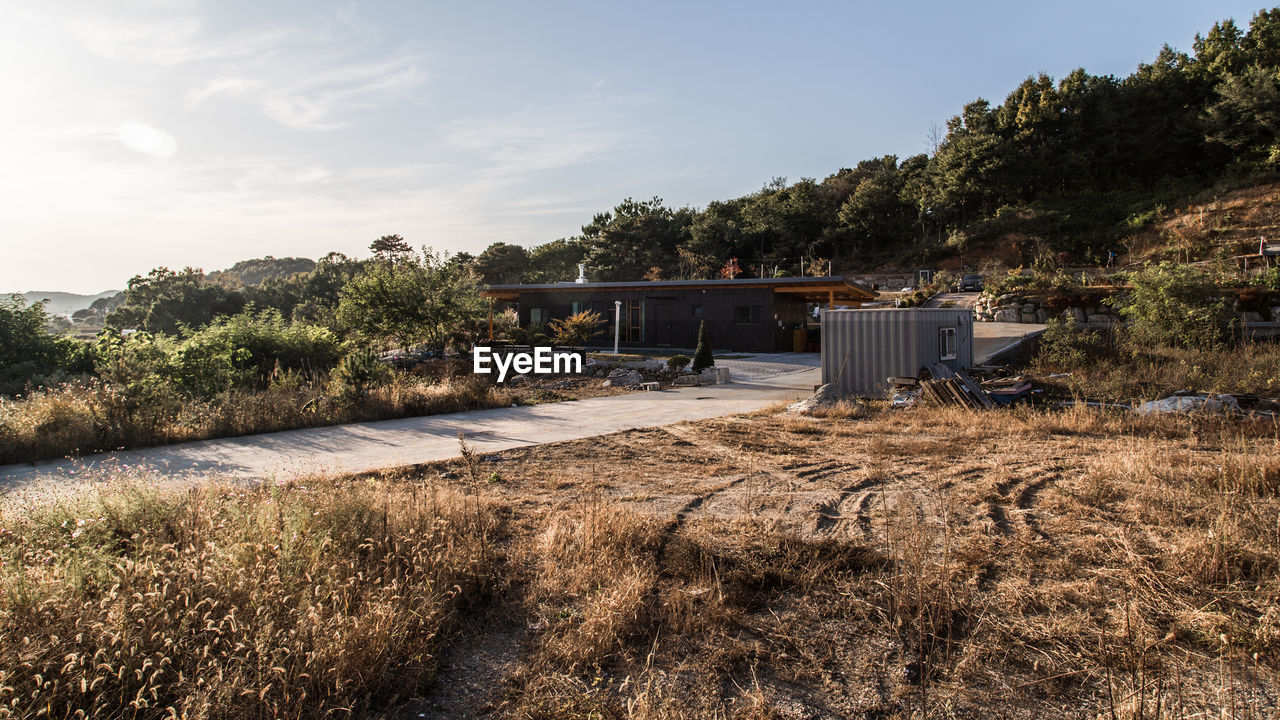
(948, 387)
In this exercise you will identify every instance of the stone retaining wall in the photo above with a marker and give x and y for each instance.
(1026, 308)
(1089, 309)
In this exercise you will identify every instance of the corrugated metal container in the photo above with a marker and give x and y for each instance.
(862, 348)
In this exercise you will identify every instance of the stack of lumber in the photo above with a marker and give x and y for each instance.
(948, 387)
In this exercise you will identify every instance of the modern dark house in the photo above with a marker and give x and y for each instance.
(746, 314)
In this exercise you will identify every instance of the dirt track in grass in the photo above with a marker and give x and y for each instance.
(935, 562)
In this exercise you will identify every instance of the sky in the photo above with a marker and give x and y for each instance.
(136, 134)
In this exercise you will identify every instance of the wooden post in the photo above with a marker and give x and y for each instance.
(831, 299)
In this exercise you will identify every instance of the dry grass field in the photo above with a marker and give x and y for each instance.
(928, 563)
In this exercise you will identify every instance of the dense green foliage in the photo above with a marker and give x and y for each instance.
(1074, 163)
(27, 350)
(246, 350)
(164, 301)
(252, 273)
(357, 374)
(411, 298)
(174, 335)
(1177, 306)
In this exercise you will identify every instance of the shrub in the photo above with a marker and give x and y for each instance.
(1268, 278)
(576, 329)
(1065, 346)
(1176, 306)
(245, 350)
(357, 374)
(677, 362)
(702, 358)
(28, 351)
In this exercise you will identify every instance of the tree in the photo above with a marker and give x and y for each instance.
(27, 350)
(877, 212)
(731, 270)
(251, 273)
(389, 247)
(717, 233)
(556, 261)
(576, 329)
(1246, 117)
(414, 299)
(164, 301)
(788, 221)
(702, 358)
(635, 236)
(502, 264)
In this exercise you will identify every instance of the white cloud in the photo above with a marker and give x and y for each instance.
(317, 100)
(303, 78)
(147, 139)
(218, 86)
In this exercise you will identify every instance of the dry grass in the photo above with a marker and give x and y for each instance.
(300, 600)
(79, 419)
(930, 563)
(1117, 375)
(934, 563)
(1218, 223)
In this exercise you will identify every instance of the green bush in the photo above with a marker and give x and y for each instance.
(28, 352)
(246, 350)
(1174, 305)
(1269, 279)
(702, 358)
(357, 374)
(677, 362)
(1066, 346)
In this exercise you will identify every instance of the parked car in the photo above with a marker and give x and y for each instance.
(969, 283)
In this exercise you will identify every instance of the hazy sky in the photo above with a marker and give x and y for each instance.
(179, 132)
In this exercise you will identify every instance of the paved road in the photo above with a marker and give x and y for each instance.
(759, 382)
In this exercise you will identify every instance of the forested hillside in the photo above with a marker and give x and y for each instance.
(251, 273)
(1071, 168)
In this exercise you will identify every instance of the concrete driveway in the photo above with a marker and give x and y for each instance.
(759, 381)
(990, 338)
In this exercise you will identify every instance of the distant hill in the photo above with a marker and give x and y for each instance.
(251, 273)
(64, 303)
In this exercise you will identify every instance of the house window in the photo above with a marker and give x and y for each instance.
(746, 314)
(633, 321)
(696, 310)
(947, 343)
(577, 308)
(537, 317)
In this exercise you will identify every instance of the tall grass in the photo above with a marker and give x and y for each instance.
(308, 599)
(82, 418)
(1111, 368)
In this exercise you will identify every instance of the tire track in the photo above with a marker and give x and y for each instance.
(833, 514)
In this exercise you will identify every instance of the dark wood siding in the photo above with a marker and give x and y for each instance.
(672, 317)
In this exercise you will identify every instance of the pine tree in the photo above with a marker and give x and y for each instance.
(702, 356)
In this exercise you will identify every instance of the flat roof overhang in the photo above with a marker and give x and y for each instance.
(816, 289)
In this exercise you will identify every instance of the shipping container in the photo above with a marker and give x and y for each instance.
(861, 349)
